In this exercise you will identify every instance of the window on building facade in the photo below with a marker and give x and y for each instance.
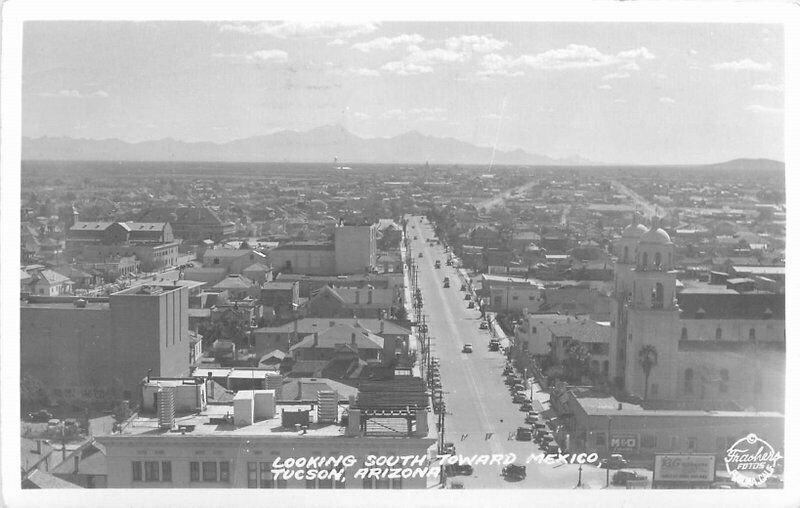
(209, 471)
(644, 260)
(224, 471)
(684, 333)
(625, 254)
(654, 389)
(752, 334)
(688, 381)
(151, 471)
(137, 471)
(252, 475)
(649, 441)
(691, 443)
(166, 471)
(382, 483)
(718, 334)
(533, 330)
(658, 260)
(194, 471)
(600, 439)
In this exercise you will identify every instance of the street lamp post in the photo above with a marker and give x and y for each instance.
(608, 446)
(580, 472)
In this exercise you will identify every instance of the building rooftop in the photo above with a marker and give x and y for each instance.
(310, 325)
(609, 406)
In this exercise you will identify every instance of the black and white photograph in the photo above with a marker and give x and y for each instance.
(534, 254)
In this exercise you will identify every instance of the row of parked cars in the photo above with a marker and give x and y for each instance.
(536, 429)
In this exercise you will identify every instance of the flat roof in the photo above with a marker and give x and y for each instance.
(609, 406)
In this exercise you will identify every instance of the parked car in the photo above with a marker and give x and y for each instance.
(526, 406)
(615, 461)
(437, 264)
(446, 284)
(449, 449)
(419, 255)
(471, 305)
(494, 346)
(456, 485)
(622, 477)
(524, 434)
(463, 287)
(531, 417)
(514, 472)
(552, 448)
(467, 297)
(467, 348)
(40, 416)
(520, 397)
(484, 325)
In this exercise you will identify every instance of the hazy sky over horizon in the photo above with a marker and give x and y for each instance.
(644, 93)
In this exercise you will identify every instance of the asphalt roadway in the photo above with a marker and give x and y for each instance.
(480, 415)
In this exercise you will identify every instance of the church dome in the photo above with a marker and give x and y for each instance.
(657, 236)
(634, 231)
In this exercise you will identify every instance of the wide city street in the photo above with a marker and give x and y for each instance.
(480, 415)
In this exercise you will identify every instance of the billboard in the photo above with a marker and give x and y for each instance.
(684, 468)
(624, 443)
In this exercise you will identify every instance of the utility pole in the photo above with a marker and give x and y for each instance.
(608, 445)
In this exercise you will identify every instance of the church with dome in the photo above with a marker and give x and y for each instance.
(685, 343)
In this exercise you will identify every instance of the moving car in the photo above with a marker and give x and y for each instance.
(514, 472)
(458, 469)
(622, 477)
(463, 287)
(437, 264)
(467, 348)
(615, 461)
(467, 297)
(494, 345)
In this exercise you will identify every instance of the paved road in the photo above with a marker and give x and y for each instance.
(648, 209)
(478, 402)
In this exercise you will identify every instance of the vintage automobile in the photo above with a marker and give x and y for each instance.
(449, 449)
(514, 472)
(622, 477)
(471, 305)
(467, 348)
(419, 255)
(531, 417)
(484, 325)
(524, 434)
(526, 406)
(615, 461)
(463, 287)
(458, 469)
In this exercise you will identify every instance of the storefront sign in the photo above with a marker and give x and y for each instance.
(684, 468)
(624, 443)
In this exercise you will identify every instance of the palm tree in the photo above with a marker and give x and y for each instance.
(648, 358)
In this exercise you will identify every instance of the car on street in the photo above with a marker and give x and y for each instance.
(471, 305)
(449, 449)
(524, 434)
(526, 406)
(446, 284)
(457, 485)
(519, 387)
(520, 397)
(531, 417)
(458, 469)
(467, 348)
(40, 416)
(514, 472)
(467, 297)
(438, 264)
(615, 461)
(622, 477)
(463, 287)
(552, 448)
(484, 325)
(419, 255)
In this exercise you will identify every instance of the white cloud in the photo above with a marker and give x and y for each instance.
(363, 71)
(404, 68)
(620, 101)
(387, 43)
(75, 94)
(616, 75)
(766, 87)
(418, 114)
(742, 65)
(492, 116)
(286, 29)
(605, 86)
(264, 55)
(666, 100)
(573, 56)
(337, 42)
(757, 108)
(421, 56)
(475, 43)
(360, 116)
(692, 51)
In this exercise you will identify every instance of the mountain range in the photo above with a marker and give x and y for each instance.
(317, 145)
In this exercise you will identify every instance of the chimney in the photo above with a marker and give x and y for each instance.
(353, 338)
(316, 339)
(369, 297)
(77, 462)
(619, 407)
(358, 296)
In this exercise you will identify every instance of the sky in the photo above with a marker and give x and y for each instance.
(636, 93)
